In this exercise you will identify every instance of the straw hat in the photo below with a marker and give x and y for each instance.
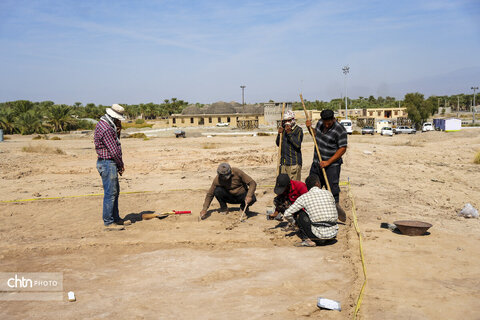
(116, 111)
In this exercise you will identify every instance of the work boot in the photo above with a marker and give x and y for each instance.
(223, 210)
(114, 226)
(342, 216)
(123, 222)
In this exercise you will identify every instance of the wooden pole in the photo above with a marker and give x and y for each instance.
(280, 143)
(315, 142)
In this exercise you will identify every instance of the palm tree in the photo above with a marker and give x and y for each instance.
(60, 116)
(29, 122)
(22, 106)
(7, 120)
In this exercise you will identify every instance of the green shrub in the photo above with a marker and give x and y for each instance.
(139, 135)
(40, 137)
(138, 126)
(139, 121)
(56, 138)
(477, 158)
(42, 149)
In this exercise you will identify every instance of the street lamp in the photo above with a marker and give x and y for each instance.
(474, 105)
(243, 94)
(346, 70)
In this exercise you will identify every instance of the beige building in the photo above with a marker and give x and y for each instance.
(382, 113)
(210, 120)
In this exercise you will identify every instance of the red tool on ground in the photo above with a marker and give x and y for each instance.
(148, 216)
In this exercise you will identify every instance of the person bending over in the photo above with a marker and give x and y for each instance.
(231, 185)
(315, 214)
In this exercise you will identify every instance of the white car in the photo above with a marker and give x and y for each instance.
(386, 131)
(347, 124)
(222, 124)
(427, 126)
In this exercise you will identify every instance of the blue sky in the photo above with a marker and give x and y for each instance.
(202, 51)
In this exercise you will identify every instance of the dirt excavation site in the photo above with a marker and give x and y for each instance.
(181, 268)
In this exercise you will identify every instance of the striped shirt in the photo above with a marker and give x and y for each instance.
(330, 141)
(320, 206)
(106, 143)
(291, 147)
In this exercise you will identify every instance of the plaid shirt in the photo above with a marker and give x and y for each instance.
(320, 206)
(291, 147)
(106, 143)
(330, 141)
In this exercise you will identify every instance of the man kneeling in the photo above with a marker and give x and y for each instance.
(315, 214)
(231, 185)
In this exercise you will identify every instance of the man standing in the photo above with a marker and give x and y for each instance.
(291, 156)
(331, 139)
(287, 192)
(315, 214)
(231, 185)
(110, 163)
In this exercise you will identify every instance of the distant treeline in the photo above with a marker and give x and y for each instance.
(463, 101)
(26, 117)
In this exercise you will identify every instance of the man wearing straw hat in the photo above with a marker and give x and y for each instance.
(291, 152)
(110, 163)
(331, 139)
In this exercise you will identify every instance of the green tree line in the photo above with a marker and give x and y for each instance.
(459, 102)
(27, 117)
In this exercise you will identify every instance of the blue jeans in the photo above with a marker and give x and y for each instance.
(111, 189)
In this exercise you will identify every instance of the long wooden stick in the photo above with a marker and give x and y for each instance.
(316, 145)
(280, 143)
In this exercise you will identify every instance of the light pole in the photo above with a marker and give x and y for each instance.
(346, 70)
(474, 105)
(243, 94)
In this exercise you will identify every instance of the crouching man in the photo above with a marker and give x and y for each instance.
(287, 192)
(315, 214)
(231, 185)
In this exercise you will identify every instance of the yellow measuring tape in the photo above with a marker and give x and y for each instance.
(101, 194)
(357, 229)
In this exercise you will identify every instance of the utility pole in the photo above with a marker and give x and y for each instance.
(474, 105)
(458, 105)
(346, 70)
(243, 94)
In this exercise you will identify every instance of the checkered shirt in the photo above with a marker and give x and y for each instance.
(106, 143)
(330, 141)
(320, 206)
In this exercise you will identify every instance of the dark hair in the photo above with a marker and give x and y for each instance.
(326, 114)
(311, 181)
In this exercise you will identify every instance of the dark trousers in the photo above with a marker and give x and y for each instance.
(333, 176)
(224, 197)
(305, 225)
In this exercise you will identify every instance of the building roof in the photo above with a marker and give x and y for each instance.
(223, 108)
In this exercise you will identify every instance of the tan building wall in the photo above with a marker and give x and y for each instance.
(387, 113)
(383, 113)
(211, 120)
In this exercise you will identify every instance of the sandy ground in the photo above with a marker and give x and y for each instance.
(219, 268)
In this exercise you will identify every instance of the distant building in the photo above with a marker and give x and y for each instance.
(273, 111)
(233, 113)
(384, 113)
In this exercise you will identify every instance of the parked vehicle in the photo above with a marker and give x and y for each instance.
(222, 124)
(427, 126)
(405, 129)
(347, 125)
(368, 130)
(386, 131)
(179, 134)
